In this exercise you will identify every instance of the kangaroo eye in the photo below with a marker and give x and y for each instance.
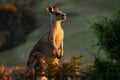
(56, 14)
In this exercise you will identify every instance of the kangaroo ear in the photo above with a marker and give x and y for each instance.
(55, 8)
(49, 8)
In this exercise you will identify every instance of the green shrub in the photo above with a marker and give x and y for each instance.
(104, 70)
(67, 69)
(63, 71)
(107, 32)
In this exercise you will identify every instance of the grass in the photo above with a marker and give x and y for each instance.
(78, 36)
(67, 69)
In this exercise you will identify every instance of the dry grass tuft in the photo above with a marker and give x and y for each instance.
(16, 73)
(64, 71)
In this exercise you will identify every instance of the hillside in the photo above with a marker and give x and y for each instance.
(78, 37)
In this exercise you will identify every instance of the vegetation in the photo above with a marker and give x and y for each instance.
(106, 29)
(69, 69)
(107, 32)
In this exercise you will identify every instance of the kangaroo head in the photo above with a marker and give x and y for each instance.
(55, 13)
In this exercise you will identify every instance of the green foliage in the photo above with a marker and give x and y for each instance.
(104, 70)
(107, 32)
(64, 70)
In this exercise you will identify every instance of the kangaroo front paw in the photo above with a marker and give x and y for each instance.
(58, 56)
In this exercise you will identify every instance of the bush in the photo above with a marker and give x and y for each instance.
(69, 69)
(104, 70)
(107, 32)
(65, 70)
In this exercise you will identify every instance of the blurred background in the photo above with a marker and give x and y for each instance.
(24, 22)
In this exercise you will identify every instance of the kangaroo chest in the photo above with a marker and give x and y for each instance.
(58, 36)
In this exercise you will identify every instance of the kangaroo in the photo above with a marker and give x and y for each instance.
(50, 45)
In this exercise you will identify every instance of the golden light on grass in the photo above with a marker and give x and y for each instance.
(69, 69)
